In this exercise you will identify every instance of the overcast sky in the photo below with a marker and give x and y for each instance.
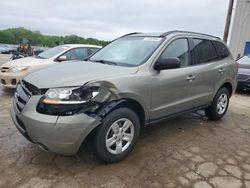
(108, 19)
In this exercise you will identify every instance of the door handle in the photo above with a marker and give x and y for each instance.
(221, 70)
(190, 78)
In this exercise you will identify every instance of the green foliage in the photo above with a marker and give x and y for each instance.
(16, 35)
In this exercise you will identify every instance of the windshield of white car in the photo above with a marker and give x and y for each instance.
(128, 51)
(52, 52)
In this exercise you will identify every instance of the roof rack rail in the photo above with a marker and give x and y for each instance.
(131, 34)
(169, 32)
(191, 32)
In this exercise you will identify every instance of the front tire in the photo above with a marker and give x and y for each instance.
(117, 135)
(219, 105)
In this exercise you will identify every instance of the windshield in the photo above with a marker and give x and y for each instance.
(128, 51)
(52, 52)
(244, 60)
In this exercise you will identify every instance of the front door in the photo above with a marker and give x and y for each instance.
(170, 88)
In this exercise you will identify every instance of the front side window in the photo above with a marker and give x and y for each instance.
(177, 49)
(70, 55)
(128, 51)
(81, 53)
(76, 54)
(204, 51)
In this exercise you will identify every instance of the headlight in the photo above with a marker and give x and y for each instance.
(18, 69)
(70, 95)
(68, 101)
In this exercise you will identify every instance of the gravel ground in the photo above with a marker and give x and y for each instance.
(189, 151)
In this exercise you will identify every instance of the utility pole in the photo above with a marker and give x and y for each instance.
(228, 21)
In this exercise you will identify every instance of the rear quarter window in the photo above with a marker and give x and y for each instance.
(221, 49)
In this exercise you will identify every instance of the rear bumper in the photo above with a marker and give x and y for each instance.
(58, 134)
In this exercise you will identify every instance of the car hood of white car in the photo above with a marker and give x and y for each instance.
(27, 61)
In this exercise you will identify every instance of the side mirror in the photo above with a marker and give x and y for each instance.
(62, 58)
(167, 63)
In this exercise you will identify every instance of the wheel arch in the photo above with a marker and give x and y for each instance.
(229, 86)
(135, 106)
(112, 105)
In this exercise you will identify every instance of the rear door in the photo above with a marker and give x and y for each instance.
(209, 71)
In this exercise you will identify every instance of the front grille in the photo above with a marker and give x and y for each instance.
(24, 91)
(243, 77)
(5, 69)
(21, 98)
(19, 108)
(30, 89)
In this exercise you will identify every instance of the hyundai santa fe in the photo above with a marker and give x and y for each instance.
(134, 81)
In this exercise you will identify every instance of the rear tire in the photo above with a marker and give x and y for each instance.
(219, 105)
(117, 135)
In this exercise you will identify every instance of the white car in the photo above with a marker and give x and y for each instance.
(12, 71)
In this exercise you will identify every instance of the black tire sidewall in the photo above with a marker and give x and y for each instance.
(100, 147)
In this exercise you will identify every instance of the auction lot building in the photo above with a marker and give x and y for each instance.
(240, 33)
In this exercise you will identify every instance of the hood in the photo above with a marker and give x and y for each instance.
(26, 61)
(75, 74)
(244, 69)
(245, 66)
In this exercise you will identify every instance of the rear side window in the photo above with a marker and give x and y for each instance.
(221, 49)
(204, 51)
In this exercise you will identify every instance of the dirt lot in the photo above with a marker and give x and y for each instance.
(185, 152)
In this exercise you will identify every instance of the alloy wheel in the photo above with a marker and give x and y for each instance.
(222, 103)
(119, 136)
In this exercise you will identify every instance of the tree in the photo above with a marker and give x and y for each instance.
(15, 36)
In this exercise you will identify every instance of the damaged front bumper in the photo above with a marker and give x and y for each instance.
(58, 134)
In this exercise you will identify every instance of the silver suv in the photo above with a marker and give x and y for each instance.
(134, 81)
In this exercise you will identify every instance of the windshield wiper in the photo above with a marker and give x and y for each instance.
(105, 62)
